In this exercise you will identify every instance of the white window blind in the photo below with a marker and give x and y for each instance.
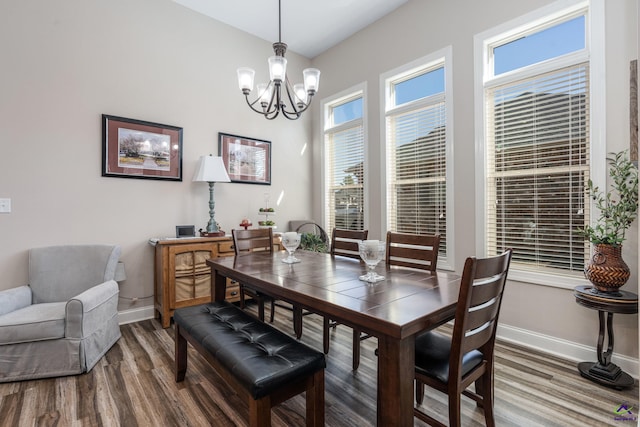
(416, 153)
(344, 171)
(537, 165)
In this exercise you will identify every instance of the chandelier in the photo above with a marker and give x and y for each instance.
(278, 96)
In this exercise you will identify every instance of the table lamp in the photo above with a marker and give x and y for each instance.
(211, 169)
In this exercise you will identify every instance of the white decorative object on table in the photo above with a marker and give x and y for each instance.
(371, 252)
(291, 241)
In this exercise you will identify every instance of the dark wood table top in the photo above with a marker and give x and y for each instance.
(406, 302)
(394, 310)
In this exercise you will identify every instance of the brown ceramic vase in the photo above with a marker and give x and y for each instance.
(607, 271)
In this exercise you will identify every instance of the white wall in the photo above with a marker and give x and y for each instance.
(539, 314)
(63, 64)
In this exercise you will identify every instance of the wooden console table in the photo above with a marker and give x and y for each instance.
(603, 371)
(181, 275)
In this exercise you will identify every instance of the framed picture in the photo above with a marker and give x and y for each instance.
(247, 160)
(138, 149)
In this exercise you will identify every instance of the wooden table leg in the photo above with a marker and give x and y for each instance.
(604, 372)
(396, 361)
(218, 286)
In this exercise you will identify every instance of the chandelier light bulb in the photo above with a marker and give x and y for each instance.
(301, 94)
(245, 79)
(264, 94)
(311, 79)
(277, 68)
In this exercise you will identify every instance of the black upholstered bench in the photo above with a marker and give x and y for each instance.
(258, 361)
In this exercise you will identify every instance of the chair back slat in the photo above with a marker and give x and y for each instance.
(485, 290)
(245, 241)
(479, 301)
(479, 318)
(413, 250)
(478, 339)
(345, 242)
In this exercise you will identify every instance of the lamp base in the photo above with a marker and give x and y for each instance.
(219, 233)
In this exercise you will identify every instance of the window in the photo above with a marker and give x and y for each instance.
(344, 161)
(536, 144)
(549, 43)
(417, 135)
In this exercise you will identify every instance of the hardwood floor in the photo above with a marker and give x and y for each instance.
(133, 385)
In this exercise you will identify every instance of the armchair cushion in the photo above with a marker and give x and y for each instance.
(36, 322)
(59, 273)
(14, 299)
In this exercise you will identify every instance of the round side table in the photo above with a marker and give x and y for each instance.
(603, 371)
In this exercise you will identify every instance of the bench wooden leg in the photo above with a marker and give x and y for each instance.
(315, 400)
(180, 355)
(260, 412)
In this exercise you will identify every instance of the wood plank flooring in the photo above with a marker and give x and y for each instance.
(133, 385)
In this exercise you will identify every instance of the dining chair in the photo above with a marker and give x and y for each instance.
(451, 364)
(245, 241)
(419, 251)
(345, 243)
(262, 240)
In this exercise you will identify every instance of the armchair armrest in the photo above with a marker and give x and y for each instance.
(91, 309)
(14, 299)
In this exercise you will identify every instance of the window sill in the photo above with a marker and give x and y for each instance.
(545, 279)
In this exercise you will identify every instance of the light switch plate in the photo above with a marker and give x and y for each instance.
(5, 205)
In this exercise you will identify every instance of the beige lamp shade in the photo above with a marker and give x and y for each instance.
(211, 169)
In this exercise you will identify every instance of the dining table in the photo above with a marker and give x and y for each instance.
(394, 310)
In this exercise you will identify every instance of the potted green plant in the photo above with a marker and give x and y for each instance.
(312, 242)
(618, 208)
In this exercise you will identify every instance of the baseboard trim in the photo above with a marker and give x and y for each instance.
(562, 348)
(540, 342)
(136, 314)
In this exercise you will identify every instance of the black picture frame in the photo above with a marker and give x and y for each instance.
(140, 149)
(247, 160)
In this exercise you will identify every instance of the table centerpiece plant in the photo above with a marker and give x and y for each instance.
(618, 208)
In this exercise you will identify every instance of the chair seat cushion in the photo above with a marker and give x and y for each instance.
(432, 356)
(36, 322)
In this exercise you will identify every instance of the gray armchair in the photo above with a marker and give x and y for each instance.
(66, 318)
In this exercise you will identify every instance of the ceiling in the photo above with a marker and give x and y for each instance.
(309, 27)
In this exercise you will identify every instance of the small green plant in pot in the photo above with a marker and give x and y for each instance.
(618, 208)
(312, 242)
